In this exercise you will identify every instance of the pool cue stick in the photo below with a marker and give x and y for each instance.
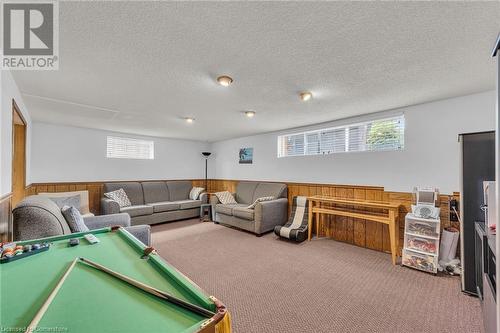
(32, 326)
(151, 290)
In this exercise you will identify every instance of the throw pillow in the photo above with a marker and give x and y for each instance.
(72, 201)
(195, 193)
(119, 196)
(225, 198)
(74, 219)
(252, 206)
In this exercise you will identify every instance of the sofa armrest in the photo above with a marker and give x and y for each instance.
(204, 197)
(104, 221)
(269, 214)
(141, 232)
(109, 206)
(214, 200)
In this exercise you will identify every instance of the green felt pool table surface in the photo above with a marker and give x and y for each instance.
(90, 300)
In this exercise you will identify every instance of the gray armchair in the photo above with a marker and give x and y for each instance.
(38, 217)
(264, 217)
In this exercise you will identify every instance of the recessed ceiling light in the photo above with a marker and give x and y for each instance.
(305, 96)
(189, 120)
(250, 114)
(224, 80)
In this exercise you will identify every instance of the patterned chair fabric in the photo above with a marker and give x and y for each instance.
(296, 228)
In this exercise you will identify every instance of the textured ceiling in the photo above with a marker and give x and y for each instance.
(140, 67)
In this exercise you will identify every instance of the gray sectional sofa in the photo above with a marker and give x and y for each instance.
(154, 201)
(264, 217)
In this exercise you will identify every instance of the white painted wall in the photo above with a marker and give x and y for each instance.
(430, 157)
(72, 154)
(9, 91)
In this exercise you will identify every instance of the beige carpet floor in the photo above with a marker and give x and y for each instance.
(270, 285)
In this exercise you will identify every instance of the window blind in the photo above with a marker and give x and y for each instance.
(373, 135)
(119, 147)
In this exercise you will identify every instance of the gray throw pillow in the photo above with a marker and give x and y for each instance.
(74, 219)
(72, 201)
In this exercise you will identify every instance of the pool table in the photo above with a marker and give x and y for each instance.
(91, 301)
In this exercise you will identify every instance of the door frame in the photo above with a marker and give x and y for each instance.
(17, 119)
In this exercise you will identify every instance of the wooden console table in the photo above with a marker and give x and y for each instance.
(389, 216)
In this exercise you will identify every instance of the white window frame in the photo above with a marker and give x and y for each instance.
(147, 145)
(346, 127)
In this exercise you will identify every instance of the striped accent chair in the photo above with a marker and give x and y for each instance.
(296, 228)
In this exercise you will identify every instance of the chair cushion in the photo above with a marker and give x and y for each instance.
(187, 204)
(74, 219)
(179, 189)
(227, 209)
(165, 206)
(226, 198)
(137, 210)
(245, 192)
(119, 196)
(269, 189)
(155, 192)
(133, 190)
(244, 213)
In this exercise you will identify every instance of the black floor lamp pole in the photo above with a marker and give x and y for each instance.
(206, 154)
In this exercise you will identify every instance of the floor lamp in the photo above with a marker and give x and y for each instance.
(206, 154)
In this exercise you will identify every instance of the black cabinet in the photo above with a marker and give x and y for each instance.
(477, 165)
(486, 275)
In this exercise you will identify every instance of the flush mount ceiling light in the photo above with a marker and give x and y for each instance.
(305, 96)
(224, 80)
(250, 114)
(189, 120)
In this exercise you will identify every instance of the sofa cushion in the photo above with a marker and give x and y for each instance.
(133, 190)
(71, 201)
(245, 192)
(187, 204)
(225, 198)
(244, 213)
(195, 193)
(74, 219)
(179, 189)
(252, 206)
(227, 209)
(84, 198)
(155, 192)
(119, 196)
(276, 190)
(137, 210)
(165, 206)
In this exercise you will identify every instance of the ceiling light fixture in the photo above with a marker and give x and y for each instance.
(224, 80)
(250, 114)
(305, 96)
(189, 120)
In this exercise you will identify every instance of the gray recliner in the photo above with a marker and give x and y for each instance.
(296, 228)
(38, 217)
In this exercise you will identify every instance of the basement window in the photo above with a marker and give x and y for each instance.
(383, 134)
(119, 147)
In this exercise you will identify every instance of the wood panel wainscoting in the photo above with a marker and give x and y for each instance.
(95, 190)
(5, 217)
(350, 230)
(345, 229)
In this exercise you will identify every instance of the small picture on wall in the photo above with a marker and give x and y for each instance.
(246, 155)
